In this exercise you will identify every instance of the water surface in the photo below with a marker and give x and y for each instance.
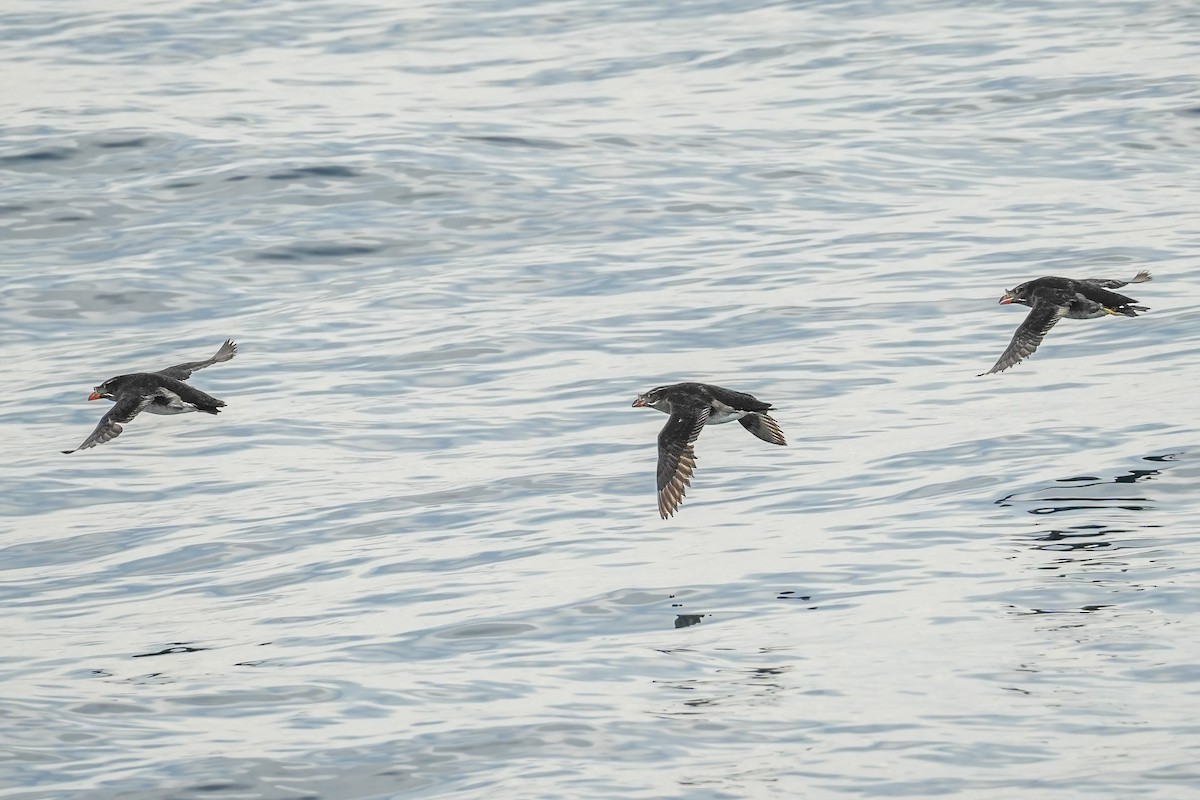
(418, 554)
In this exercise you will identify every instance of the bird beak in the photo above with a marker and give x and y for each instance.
(95, 396)
(639, 403)
(1007, 298)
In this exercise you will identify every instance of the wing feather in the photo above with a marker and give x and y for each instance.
(676, 458)
(1113, 283)
(181, 372)
(126, 408)
(1029, 335)
(764, 427)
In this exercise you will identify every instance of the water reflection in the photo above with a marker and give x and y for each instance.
(1084, 492)
(728, 681)
(1084, 609)
(176, 647)
(1099, 530)
(422, 548)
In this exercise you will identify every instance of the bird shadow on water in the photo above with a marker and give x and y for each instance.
(1119, 534)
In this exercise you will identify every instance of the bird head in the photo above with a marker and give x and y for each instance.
(655, 398)
(1017, 295)
(105, 391)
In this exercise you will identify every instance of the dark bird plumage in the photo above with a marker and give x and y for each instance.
(692, 406)
(1050, 299)
(162, 392)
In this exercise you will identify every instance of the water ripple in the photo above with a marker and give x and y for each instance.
(418, 552)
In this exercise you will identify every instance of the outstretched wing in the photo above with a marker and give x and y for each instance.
(676, 459)
(1113, 283)
(181, 372)
(737, 400)
(1027, 338)
(126, 408)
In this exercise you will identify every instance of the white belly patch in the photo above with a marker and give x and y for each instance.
(725, 415)
(167, 402)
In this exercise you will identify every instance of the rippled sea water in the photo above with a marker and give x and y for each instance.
(418, 554)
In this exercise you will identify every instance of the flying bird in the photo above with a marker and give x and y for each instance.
(1051, 299)
(692, 406)
(162, 392)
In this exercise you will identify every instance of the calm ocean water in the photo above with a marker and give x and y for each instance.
(418, 555)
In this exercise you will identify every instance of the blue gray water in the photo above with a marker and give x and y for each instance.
(418, 555)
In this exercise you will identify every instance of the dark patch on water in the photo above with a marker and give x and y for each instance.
(1087, 609)
(487, 630)
(619, 141)
(176, 647)
(39, 156)
(318, 252)
(330, 171)
(520, 141)
(221, 786)
(119, 144)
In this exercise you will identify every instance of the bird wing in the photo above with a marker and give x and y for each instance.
(764, 427)
(1105, 297)
(737, 400)
(126, 408)
(676, 459)
(1113, 283)
(1029, 335)
(181, 372)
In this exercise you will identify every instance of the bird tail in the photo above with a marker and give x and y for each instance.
(201, 401)
(1141, 277)
(206, 403)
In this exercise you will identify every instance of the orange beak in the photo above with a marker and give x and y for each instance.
(95, 396)
(639, 403)
(1007, 299)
